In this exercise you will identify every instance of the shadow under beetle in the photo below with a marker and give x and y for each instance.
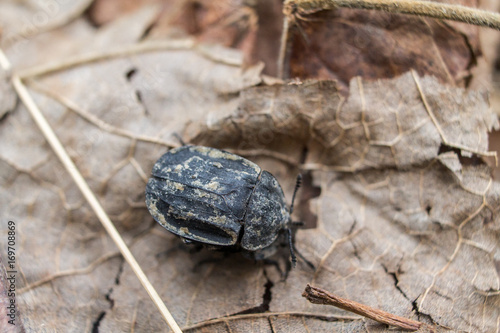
(221, 200)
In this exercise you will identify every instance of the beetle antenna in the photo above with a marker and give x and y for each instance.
(297, 185)
(290, 243)
(178, 137)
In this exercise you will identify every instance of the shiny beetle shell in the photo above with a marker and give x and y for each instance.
(216, 198)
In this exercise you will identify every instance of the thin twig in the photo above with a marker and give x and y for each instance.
(283, 47)
(144, 47)
(319, 296)
(69, 272)
(96, 121)
(60, 65)
(60, 151)
(419, 8)
(254, 316)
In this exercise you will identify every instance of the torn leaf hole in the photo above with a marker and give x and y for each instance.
(420, 315)
(138, 95)
(119, 274)
(97, 322)
(353, 227)
(266, 299)
(147, 31)
(472, 160)
(396, 281)
(109, 299)
(488, 217)
(131, 73)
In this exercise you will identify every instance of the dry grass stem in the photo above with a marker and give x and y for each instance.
(144, 47)
(419, 8)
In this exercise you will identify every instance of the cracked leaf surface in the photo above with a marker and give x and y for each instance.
(405, 222)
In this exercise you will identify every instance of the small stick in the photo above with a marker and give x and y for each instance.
(319, 296)
(420, 8)
(282, 57)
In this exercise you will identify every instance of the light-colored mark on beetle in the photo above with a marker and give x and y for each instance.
(201, 194)
(184, 231)
(179, 187)
(213, 185)
(219, 219)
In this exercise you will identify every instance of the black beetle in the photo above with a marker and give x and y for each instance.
(216, 198)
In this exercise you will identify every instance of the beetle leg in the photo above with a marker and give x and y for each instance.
(297, 224)
(293, 249)
(271, 262)
(178, 137)
(310, 264)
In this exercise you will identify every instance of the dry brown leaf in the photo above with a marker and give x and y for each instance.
(25, 22)
(345, 43)
(394, 231)
(254, 27)
(407, 214)
(378, 125)
(26, 49)
(104, 11)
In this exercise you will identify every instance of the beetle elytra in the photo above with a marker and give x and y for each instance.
(216, 198)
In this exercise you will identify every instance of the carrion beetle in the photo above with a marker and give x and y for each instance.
(218, 199)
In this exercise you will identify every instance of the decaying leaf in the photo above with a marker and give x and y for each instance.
(345, 43)
(25, 43)
(406, 211)
(394, 232)
(377, 126)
